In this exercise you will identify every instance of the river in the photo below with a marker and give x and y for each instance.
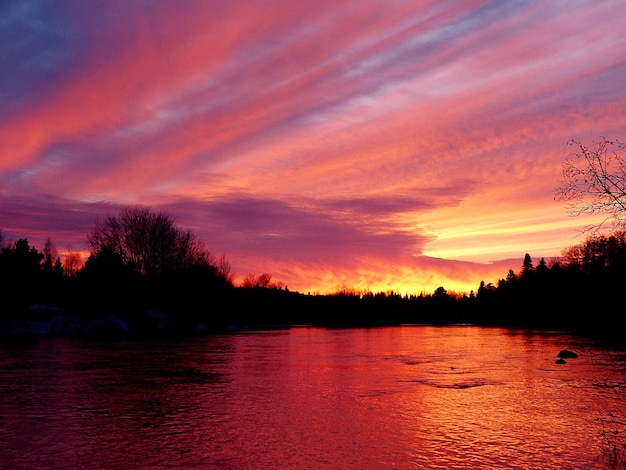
(408, 397)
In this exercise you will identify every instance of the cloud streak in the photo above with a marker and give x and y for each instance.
(386, 145)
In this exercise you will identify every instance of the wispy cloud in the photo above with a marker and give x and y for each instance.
(326, 141)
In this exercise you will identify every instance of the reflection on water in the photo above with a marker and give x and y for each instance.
(405, 397)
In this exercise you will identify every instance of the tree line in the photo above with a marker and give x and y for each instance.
(141, 262)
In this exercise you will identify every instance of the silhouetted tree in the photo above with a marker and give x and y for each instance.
(224, 270)
(598, 254)
(511, 278)
(106, 264)
(440, 293)
(163, 267)
(148, 241)
(49, 253)
(249, 281)
(594, 181)
(542, 267)
(23, 259)
(484, 289)
(107, 281)
(527, 266)
(58, 267)
(72, 263)
(20, 273)
(572, 256)
(51, 275)
(263, 281)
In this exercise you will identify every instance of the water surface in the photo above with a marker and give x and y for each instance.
(397, 397)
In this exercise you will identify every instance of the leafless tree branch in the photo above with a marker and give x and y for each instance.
(594, 182)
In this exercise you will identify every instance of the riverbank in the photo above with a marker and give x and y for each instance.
(43, 321)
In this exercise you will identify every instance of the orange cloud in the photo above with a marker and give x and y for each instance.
(400, 145)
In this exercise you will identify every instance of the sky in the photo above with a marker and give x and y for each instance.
(373, 144)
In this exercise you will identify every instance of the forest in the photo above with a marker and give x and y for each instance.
(148, 276)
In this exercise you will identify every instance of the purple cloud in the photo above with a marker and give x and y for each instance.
(341, 137)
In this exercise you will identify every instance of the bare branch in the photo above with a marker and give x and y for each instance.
(594, 182)
(150, 242)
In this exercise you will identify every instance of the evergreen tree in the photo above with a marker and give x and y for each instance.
(527, 266)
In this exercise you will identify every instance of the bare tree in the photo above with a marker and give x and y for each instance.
(263, 280)
(605, 252)
(249, 281)
(594, 182)
(49, 253)
(72, 263)
(224, 269)
(149, 241)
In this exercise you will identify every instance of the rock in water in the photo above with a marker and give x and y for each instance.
(567, 354)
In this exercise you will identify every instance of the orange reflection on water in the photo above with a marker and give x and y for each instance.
(397, 397)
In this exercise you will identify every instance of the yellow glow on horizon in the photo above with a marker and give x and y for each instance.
(412, 277)
(532, 231)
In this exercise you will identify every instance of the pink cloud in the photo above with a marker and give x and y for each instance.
(326, 141)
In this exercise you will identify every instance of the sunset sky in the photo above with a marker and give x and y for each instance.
(376, 144)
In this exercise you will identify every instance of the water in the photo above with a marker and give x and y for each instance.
(398, 397)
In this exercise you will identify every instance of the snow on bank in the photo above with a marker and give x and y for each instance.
(46, 320)
(64, 325)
